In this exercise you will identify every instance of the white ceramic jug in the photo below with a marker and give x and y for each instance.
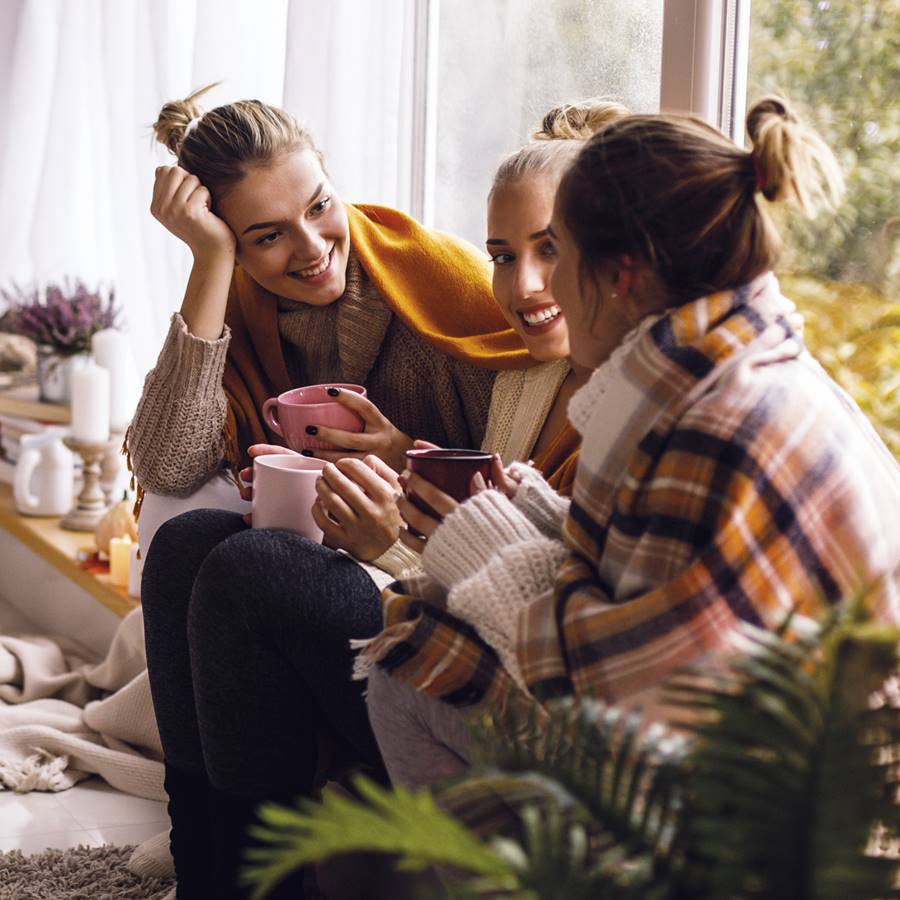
(45, 475)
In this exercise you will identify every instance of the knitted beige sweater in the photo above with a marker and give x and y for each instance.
(176, 439)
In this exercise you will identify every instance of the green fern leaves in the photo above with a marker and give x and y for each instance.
(790, 767)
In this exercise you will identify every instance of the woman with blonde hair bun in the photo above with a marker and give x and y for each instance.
(723, 477)
(289, 287)
(248, 631)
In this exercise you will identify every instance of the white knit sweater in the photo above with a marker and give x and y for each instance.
(495, 556)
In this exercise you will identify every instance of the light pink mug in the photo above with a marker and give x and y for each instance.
(284, 490)
(289, 414)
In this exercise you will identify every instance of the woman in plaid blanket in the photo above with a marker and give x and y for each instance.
(724, 478)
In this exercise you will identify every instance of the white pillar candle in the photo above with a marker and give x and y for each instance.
(90, 404)
(110, 350)
(135, 571)
(119, 560)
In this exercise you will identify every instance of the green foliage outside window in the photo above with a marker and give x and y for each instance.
(838, 62)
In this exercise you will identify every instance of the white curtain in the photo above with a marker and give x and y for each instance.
(82, 81)
(348, 77)
(85, 80)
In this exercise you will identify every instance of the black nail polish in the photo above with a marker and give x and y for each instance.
(306, 452)
(311, 429)
(333, 392)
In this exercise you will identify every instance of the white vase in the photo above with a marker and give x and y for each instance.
(54, 374)
(45, 472)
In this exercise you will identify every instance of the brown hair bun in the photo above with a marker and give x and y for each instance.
(791, 161)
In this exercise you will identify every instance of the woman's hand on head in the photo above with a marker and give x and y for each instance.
(356, 507)
(184, 206)
(379, 436)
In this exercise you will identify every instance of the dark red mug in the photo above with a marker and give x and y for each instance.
(450, 470)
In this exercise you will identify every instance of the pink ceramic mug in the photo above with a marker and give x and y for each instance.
(284, 490)
(291, 413)
(450, 470)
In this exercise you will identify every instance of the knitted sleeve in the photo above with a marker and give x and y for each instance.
(493, 562)
(541, 505)
(397, 559)
(467, 540)
(492, 600)
(176, 440)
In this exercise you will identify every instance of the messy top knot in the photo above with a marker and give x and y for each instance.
(790, 161)
(578, 121)
(174, 118)
(222, 143)
(556, 143)
(677, 194)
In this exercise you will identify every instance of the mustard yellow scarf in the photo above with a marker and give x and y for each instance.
(439, 285)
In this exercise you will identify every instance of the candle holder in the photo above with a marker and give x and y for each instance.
(111, 467)
(91, 505)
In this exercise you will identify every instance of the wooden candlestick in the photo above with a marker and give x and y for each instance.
(91, 505)
(111, 467)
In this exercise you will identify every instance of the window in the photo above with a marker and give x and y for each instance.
(837, 62)
(502, 65)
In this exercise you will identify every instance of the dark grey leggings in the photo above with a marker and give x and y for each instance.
(248, 653)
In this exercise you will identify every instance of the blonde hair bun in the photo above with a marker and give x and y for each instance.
(561, 136)
(579, 120)
(791, 161)
(174, 118)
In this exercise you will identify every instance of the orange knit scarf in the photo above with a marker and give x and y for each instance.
(439, 285)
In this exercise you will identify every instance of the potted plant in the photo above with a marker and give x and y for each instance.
(61, 319)
(782, 784)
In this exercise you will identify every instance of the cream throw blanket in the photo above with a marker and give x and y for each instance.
(62, 719)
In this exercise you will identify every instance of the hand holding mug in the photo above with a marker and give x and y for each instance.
(246, 475)
(435, 482)
(356, 507)
(379, 437)
(422, 524)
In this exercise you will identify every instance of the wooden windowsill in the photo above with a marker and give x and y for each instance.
(60, 549)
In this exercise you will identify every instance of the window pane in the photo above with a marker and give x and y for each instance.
(504, 63)
(837, 61)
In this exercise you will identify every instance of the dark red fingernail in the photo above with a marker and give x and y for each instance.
(311, 429)
(333, 392)
(307, 453)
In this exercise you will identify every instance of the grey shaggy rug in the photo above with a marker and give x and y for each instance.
(86, 873)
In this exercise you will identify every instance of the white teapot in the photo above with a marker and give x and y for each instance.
(45, 475)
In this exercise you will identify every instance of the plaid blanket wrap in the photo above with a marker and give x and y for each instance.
(723, 478)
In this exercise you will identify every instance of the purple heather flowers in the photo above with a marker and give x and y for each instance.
(63, 317)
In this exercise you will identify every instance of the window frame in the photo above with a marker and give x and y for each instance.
(705, 46)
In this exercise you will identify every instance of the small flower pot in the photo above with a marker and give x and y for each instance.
(54, 374)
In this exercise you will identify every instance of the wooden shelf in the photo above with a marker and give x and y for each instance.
(23, 402)
(60, 549)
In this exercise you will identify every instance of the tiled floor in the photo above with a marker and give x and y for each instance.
(90, 813)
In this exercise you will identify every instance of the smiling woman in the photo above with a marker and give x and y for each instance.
(301, 252)
(289, 287)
